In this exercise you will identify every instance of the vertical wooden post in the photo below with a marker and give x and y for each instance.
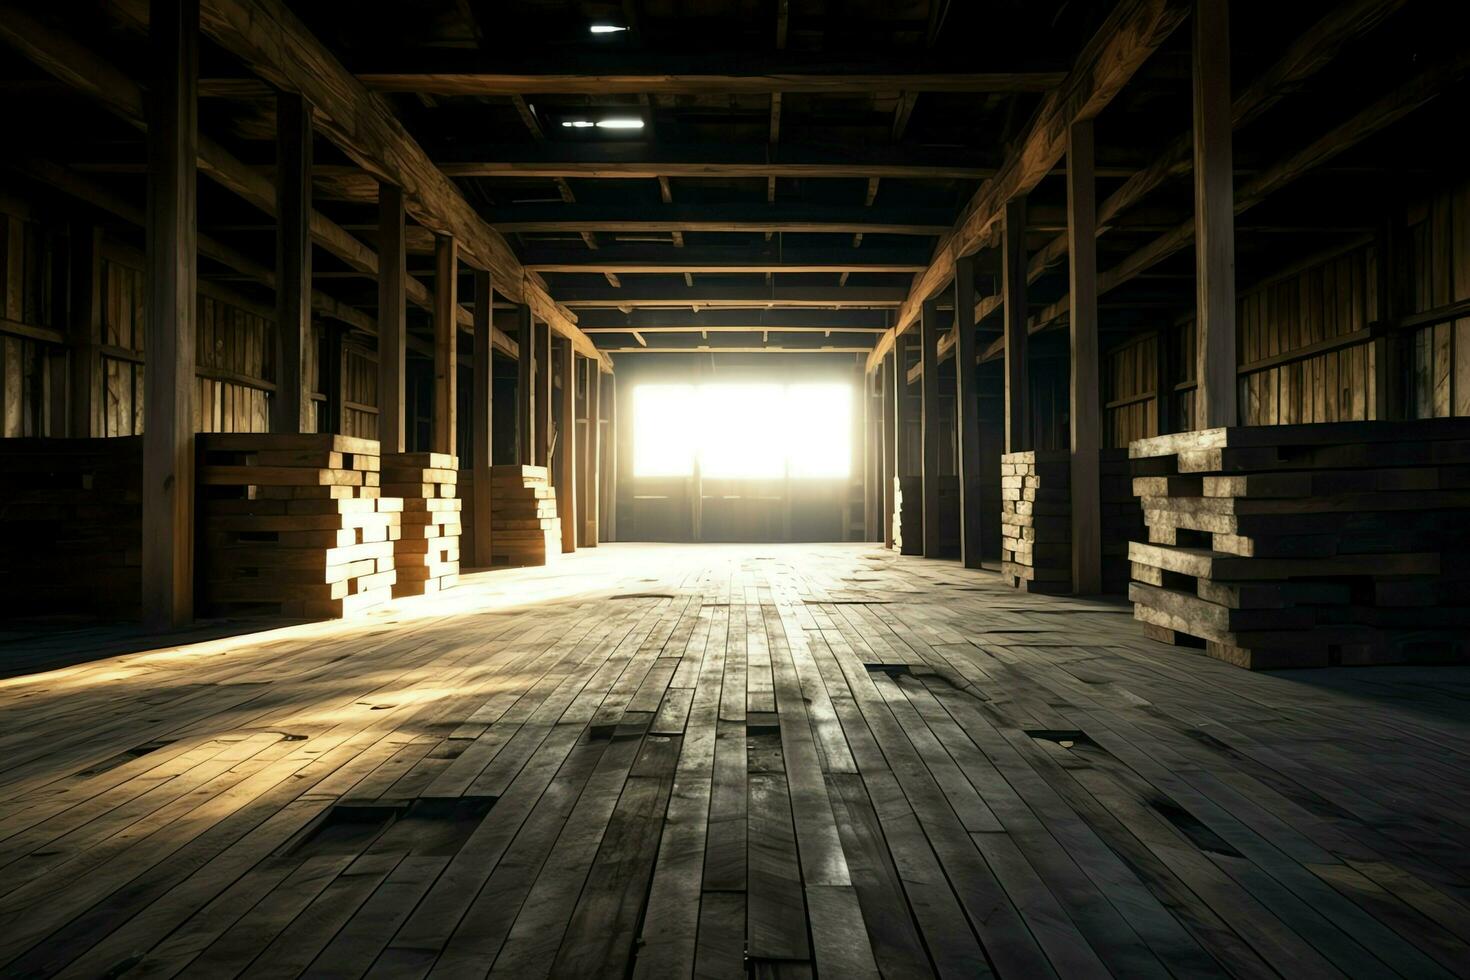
(481, 439)
(890, 449)
(564, 466)
(1013, 286)
(526, 385)
(592, 465)
(85, 330)
(1214, 217)
(332, 414)
(608, 518)
(290, 405)
(392, 330)
(929, 423)
(869, 453)
(172, 250)
(967, 412)
(543, 364)
(1086, 404)
(446, 344)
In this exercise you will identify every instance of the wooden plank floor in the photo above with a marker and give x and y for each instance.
(782, 760)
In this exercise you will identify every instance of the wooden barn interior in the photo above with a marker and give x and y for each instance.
(734, 488)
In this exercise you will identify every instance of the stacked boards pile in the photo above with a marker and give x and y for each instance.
(1307, 545)
(1122, 519)
(524, 526)
(72, 523)
(1036, 521)
(427, 553)
(294, 522)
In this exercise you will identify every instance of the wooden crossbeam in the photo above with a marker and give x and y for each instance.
(274, 44)
(1132, 32)
(535, 218)
(735, 298)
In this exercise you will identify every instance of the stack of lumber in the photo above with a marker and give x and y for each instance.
(1307, 545)
(293, 522)
(524, 526)
(427, 554)
(1122, 519)
(1036, 521)
(71, 521)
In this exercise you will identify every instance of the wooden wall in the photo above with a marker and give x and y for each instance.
(1438, 275)
(1305, 336)
(235, 351)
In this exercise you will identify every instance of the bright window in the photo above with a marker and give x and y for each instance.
(746, 431)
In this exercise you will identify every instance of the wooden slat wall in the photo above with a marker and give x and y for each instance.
(360, 392)
(32, 284)
(1327, 301)
(1439, 274)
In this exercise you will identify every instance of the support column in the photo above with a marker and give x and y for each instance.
(929, 423)
(608, 517)
(1390, 400)
(1214, 217)
(392, 330)
(564, 466)
(1166, 356)
(1013, 285)
(481, 440)
(890, 446)
(543, 365)
(172, 250)
(291, 403)
(85, 331)
(591, 466)
(526, 385)
(870, 455)
(1086, 404)
(446, 344)
(967, 413)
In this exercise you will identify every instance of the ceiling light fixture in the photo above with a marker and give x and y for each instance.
(620, 124)
(606, 28)
(577, 124)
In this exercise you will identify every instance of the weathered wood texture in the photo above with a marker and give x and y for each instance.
(426, 555)
(296, 524)
(649, 761)
(1308, 545)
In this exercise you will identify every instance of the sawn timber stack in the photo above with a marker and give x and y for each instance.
(525, 528)
(1307, 545)
(294, 522)
(427, 553)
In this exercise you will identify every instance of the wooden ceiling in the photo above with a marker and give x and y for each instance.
(803, 167)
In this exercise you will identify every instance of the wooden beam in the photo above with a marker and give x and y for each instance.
(1307, 55)
(642, 296)
(392, 325)
(967, 416)
(273, 42)
(481, 428)
(890, 448)
(525, 386)
(1214, 215)
(330, 410)
(564, 465)
(446, 345)
(542, 332)
(792, 219)
(832, 81)
(168, 428)
(751, 328)
(1085, 398)
(291, 402)
(929, 425)
(597, 264)
(85, 331)
(590, 467)
(1132, 32)
(1013, 291)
